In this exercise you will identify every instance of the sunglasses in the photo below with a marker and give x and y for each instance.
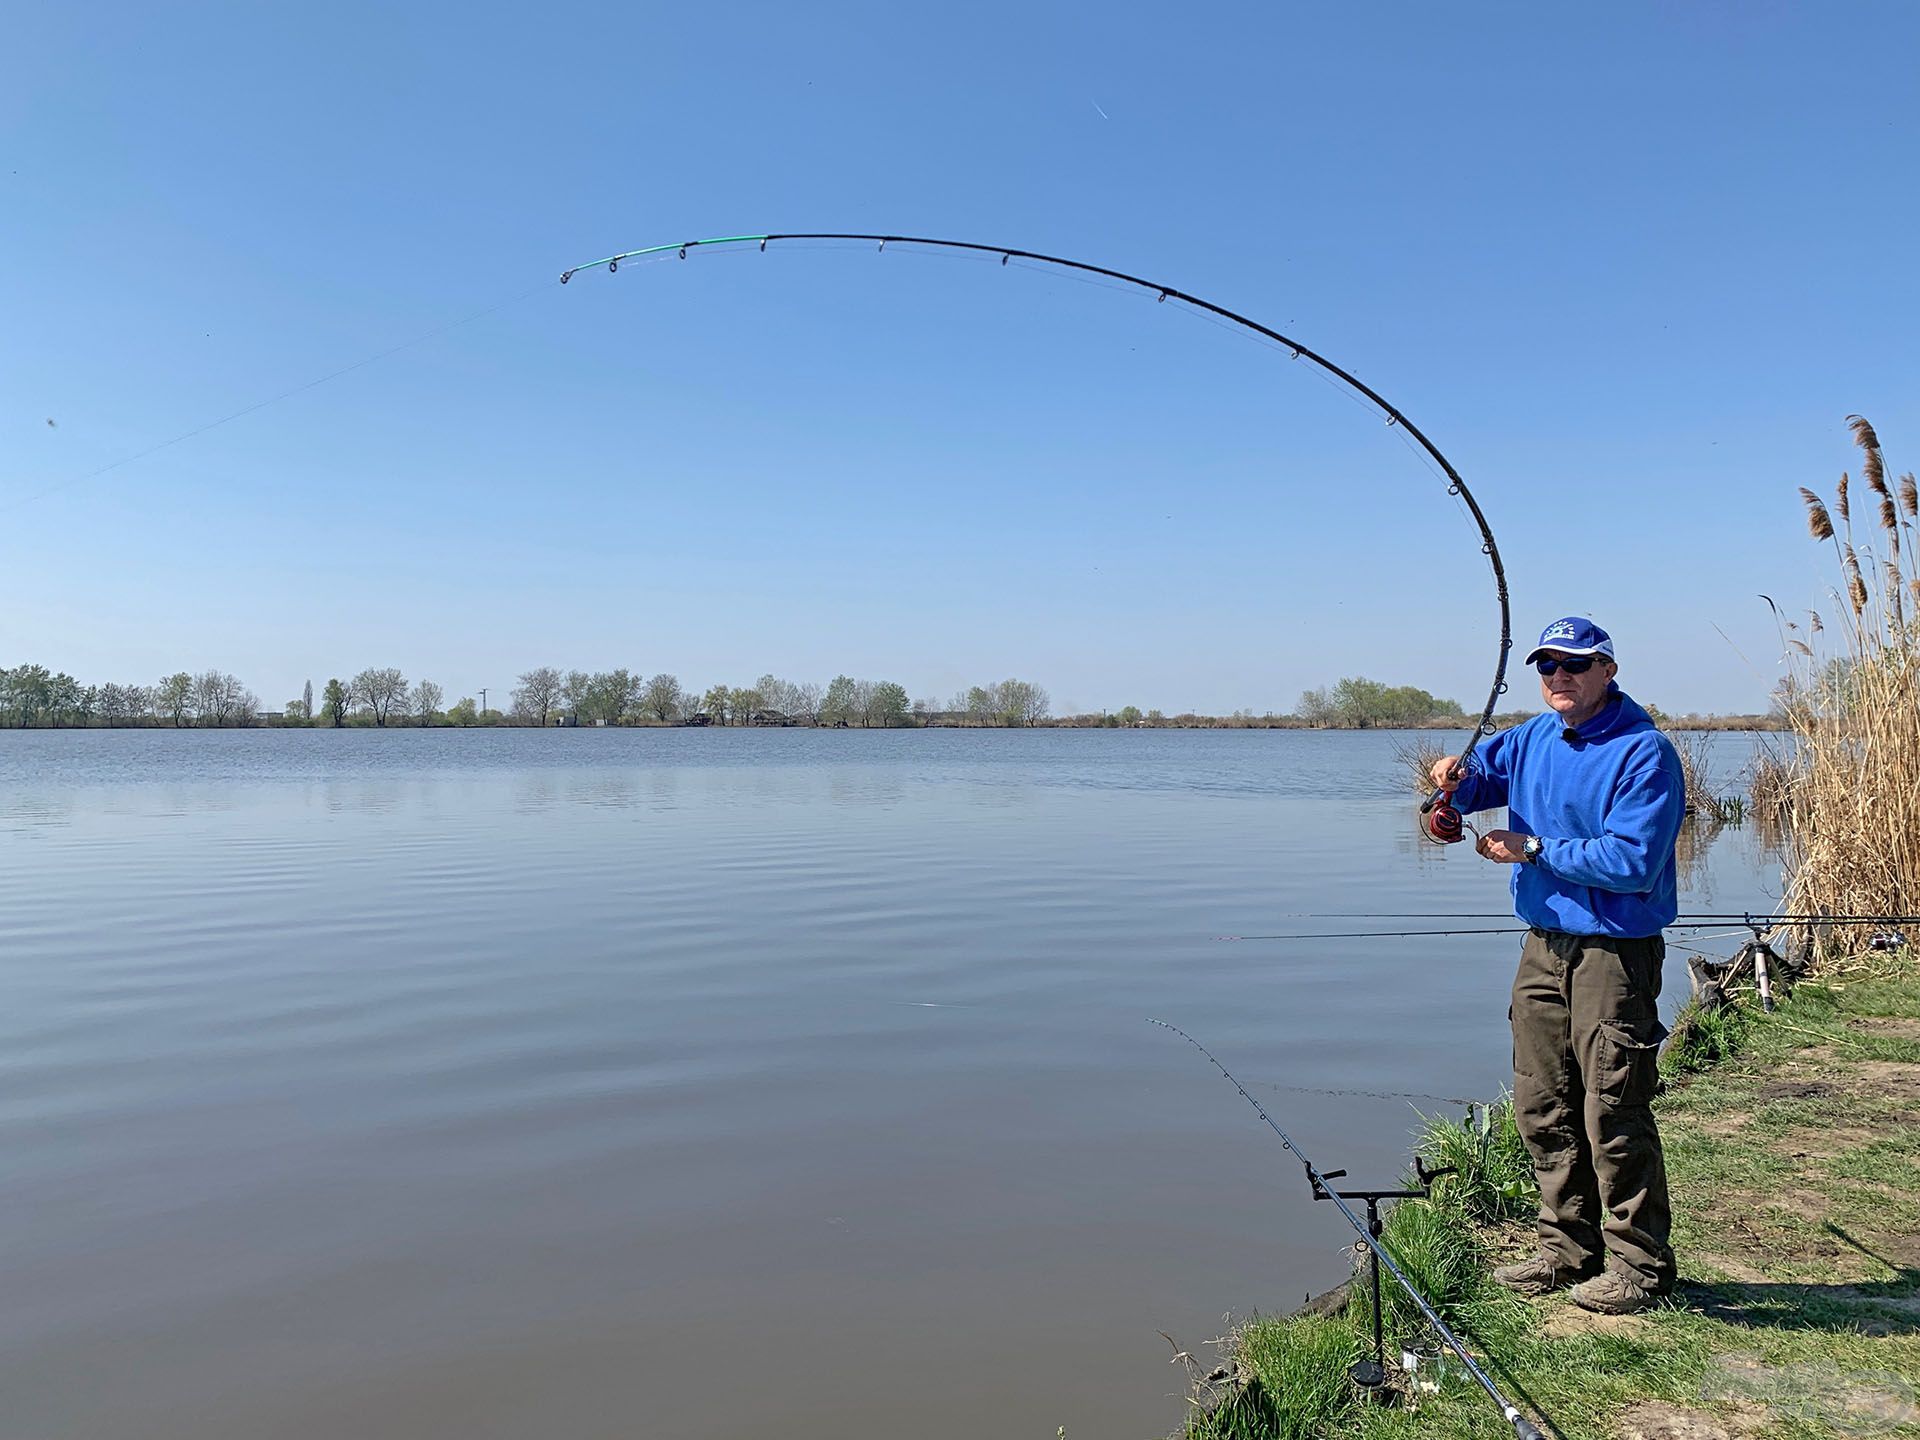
(1573, 664)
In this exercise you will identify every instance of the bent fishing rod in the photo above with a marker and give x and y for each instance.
(1523, 1428)
(1694, 920)
(1441, 823)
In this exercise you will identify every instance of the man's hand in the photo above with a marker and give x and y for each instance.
(1446, 773)
(1504, 846)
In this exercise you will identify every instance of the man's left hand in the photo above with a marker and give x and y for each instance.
(1504, 846)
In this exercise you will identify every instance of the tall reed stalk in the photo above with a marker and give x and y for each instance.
(1852, 698)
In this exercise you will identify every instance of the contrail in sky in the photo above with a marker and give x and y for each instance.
(1103, 114)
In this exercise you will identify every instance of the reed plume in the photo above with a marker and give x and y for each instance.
(1840, 500)
(1910, 495)
(1848, 789)
(1872, 468)
(1819, 522)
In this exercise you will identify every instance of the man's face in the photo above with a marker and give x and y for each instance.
(1576, 695)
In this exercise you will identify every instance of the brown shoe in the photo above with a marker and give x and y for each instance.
(1537, 1275)
(1613, 1292)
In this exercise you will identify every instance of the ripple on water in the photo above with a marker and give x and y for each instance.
(468, 1083)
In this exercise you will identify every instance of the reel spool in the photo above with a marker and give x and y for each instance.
(1440, 823)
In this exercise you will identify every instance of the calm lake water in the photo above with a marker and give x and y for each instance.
(593, 1083)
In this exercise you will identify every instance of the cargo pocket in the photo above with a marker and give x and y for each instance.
(1626, 1070)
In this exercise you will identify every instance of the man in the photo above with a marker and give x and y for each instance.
(1595, 798)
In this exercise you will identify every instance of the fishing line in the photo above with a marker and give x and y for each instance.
(1092, 1019)
(1381, 934)
(1355, 388)
(1694, 949)
(186, 435)
(1523, 1428)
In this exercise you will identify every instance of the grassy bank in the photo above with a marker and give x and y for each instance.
(1793, 1145)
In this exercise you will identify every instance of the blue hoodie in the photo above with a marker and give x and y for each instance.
(1608, 806)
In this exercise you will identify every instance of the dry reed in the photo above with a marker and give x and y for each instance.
(1419, 757)
(1696, 769)
(1848, 790)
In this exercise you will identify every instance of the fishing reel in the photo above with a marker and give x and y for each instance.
(1440, 823)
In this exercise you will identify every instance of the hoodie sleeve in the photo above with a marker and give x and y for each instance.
(1642, 822)
(1485, 785)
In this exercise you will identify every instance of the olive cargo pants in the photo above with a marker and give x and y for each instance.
(1586, 1040)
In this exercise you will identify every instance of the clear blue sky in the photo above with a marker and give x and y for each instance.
(1630, 266)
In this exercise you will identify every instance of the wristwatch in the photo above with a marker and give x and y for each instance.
(1530, 851)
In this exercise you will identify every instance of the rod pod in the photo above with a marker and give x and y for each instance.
(1371, 1375)
(1523, 1428)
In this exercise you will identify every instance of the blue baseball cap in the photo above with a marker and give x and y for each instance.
(1572, 636)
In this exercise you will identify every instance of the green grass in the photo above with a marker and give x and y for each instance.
(1702, 1038)
(1793, 1149)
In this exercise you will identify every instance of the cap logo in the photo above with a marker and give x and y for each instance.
(1559, 630)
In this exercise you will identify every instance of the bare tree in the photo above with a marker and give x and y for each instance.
(663, 698)
(1022, 702)
(123, 704)
(381, 691)
(425, 700)
(784, 696)
(536, 695)
(1315, 707)
(806, 702)
(213, 696)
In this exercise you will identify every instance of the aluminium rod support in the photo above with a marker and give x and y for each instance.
(1523, 1428)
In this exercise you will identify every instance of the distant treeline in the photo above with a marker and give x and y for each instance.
(1356, 703)
(31, 696)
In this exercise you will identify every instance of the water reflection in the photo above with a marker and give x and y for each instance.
(1696, 838)
(437, 1084)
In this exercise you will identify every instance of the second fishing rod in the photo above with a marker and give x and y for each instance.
(1371, 1374)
